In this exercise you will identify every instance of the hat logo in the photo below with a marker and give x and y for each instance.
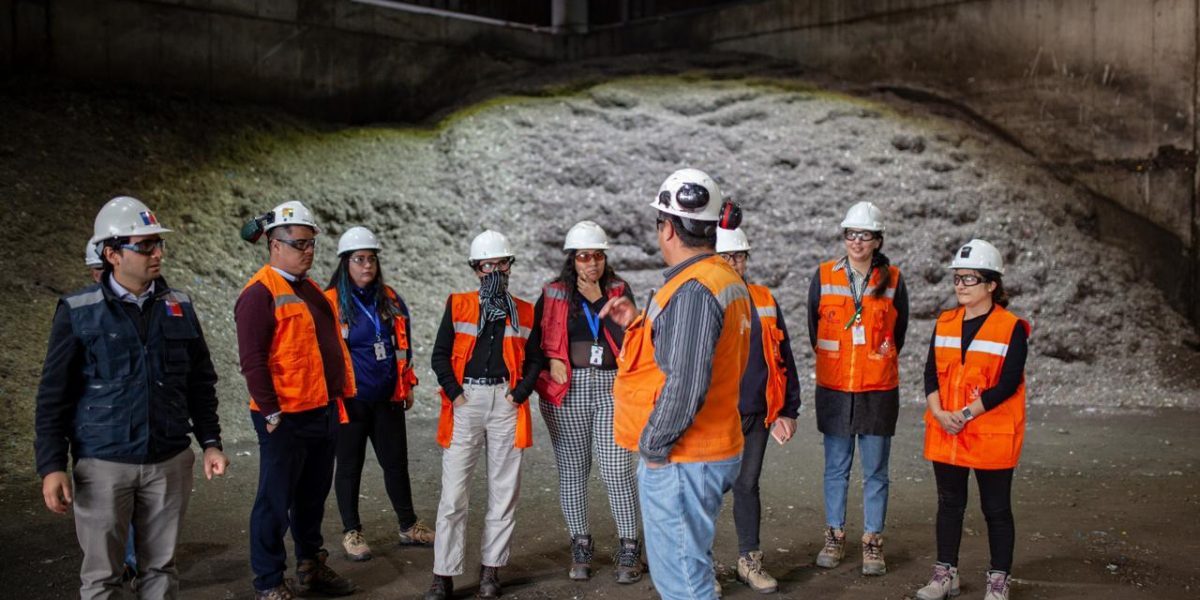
(287, 213)
(965, 252)
(148, 218)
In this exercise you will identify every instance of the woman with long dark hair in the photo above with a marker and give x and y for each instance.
(857, 318)
(975, 392)
(576, 396)
(375, 323)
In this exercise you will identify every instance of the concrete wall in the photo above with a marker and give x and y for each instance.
(1103, 91)
(337, 59)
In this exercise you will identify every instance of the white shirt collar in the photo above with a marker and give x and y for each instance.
(286, 275)
(127, 296)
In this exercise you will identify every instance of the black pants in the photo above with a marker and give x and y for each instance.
(995, 496)
(383, 423)
(747, 509)
(295, 469)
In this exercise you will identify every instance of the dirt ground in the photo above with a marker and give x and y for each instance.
(1106, 507)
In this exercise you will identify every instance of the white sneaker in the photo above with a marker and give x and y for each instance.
(998, 583)
(943, 584)
(356, 546)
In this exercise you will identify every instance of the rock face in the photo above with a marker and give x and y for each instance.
(531, 166)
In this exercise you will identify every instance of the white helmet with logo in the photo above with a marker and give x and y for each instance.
(357, 238)
(490, 244)
(691, 194)
(979, 255)
(91, 256)
(732, 240)
(586, 235)
(124, 216)
(864, 215)
(292, 212)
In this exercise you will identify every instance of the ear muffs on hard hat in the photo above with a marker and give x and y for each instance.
(731, 216)
(256, 226)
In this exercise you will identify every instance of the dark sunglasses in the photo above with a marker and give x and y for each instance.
(587, 257)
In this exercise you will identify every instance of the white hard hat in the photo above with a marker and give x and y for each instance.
(357, 238)
(979, 255)
(490, 244)
(586, 235)
(863, 215)
(91, 256)
(292, 212)
(124, 216)
(690, 193)
(732, 240)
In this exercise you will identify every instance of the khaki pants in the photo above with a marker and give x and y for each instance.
(108, 495)
(485, 422)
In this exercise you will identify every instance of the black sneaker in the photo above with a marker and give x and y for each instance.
(441, 588)
(581, 557)
(315, 576)
(489, 583)
(629, 562)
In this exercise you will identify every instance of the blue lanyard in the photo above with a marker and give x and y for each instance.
(370, 315)
(593, 324)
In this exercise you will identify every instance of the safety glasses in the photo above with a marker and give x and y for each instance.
(299, 245)
(146, 247)
(502, 265)
(588, 257)
(862, 236)
(967, 280)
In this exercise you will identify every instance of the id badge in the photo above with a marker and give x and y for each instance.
(381, 351)
(597, 357)
(860, 335)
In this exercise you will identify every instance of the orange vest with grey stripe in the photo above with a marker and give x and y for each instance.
(772, 338)
(464, 313)
(716, 431)
(992, 440)
(841, 364)
(406, 379)
(297, 370)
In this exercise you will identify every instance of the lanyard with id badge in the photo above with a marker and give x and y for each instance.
(596, 358)
(381, 352)
(858, 331)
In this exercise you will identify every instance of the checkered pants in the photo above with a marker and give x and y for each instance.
(584, 421)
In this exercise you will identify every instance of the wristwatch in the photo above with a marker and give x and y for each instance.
(273, 420)
(966, 414)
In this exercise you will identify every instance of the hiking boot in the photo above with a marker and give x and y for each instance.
(356, 546)
(998, 583)
(279, 592)
(489, 583)
(943, 584)
(835, 548)
(581, 558)
(441, 588)
(629, 562)
(315, 576)
(750, 572)
(872, 548)
(417, 535)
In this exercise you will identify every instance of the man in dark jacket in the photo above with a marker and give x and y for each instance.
(127, 376)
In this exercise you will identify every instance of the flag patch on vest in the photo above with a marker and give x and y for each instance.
(174, 309)
(148, 218)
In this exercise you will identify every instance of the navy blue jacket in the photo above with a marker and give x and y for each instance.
(121, 384)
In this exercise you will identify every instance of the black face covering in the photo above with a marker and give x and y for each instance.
(494, 301)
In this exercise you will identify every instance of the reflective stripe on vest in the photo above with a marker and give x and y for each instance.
(992, 440)
(464, 313)
(841, 364)
(772, 338)
(295, 360)
(716, 431)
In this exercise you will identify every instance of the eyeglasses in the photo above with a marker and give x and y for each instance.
(587, 257)
(146, 247)
(365, 259)
(862, 236)
(733, 257)
(502, 265)
(300, 245)
(967, 280)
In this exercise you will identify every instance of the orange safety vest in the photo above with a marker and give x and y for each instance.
(716, 432)
(297, 370)
(555, 339)
(464, 313)
(772, 339)
(841, 364)
(991, 440)
(406, 379)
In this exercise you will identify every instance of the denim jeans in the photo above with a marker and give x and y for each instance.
(680, 503)
(839, 457)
